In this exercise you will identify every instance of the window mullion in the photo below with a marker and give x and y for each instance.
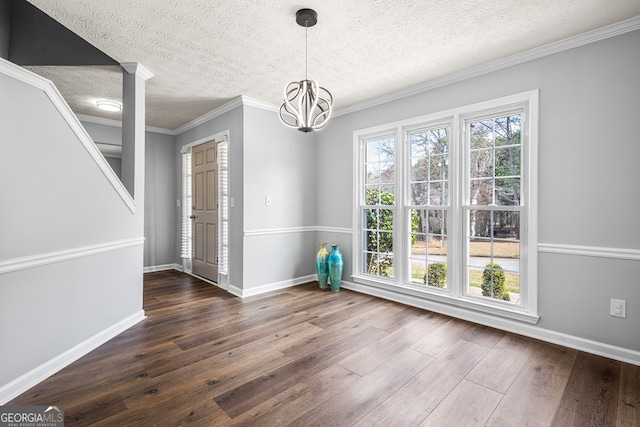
(399, 252)
(457, 171)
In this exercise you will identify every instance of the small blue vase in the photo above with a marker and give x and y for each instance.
(322, 266)
(335, 268)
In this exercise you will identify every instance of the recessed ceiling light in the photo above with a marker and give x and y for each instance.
(109, 105)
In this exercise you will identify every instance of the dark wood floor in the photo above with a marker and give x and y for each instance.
(304, 357)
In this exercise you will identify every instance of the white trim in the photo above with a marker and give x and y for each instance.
(490, 67)
(602, 349)
(72, 120)
(336, 230)
(118, 123)
(231, 105)
(33, 377)
(439, 298)
(316, 228)
(591, 251)
(137, 69)
(32, 261)
(267, 232)
(252, 102)
(110, 150)
(163, 267)
(243, 293)
(218, 137)
(234, 290)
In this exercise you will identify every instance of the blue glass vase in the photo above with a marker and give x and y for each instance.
(335, 268)
(322, 266)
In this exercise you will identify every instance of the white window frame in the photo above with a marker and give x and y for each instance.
(455, 293)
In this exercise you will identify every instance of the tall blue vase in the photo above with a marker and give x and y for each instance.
(335, 268)
(322, 266)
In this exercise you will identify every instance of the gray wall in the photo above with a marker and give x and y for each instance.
(278, 162)
(233, 122)
(588, 176)
(160, 190)
(54, 293)
(268, 245)
(160, 200)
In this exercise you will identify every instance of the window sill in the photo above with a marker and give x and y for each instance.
(466, 307)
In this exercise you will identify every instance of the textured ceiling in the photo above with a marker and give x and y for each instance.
(203, 53)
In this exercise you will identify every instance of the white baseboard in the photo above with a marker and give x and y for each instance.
(163, 267)
(33, 377)
(242, 293)
(521, 328)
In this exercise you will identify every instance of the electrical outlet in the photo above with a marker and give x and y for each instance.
(618, 308)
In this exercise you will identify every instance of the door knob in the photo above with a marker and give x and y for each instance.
(192, 217)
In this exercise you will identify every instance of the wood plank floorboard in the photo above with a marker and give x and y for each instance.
(305, 357)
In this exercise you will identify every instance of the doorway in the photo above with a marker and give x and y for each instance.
(204, 210)
(212, 253)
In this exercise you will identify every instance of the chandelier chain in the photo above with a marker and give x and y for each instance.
(306, 53)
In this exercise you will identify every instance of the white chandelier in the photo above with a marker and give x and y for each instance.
(307, 106)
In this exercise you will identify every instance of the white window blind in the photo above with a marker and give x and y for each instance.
(223, 213)
(186, 205)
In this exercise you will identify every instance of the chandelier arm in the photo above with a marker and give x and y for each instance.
(311, 92)
(287, 100)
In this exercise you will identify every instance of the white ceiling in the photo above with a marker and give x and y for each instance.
(203, 53)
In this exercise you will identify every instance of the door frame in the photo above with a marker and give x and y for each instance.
(223, 201)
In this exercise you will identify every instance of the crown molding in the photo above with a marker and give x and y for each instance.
(518, 58)
(118, 123)
(234, 103)
(252, 102)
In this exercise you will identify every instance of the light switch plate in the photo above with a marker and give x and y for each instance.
(618, 308)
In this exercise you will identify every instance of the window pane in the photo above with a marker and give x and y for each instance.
(508, 161)
(481, 163)
(479, 224)
(428, 174)
(481, 192)
(495, 161)
(419, 170)
(378, 242)
(371, 217)
(438, 168)
(493, 264)
(506, 225)
(383, 195)
(507, 130)
(508, 191)
(428, 259)
(482, 134)
(438, 194)
(429, 186)
(373, 173)
(379, 190)
(419, 194)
